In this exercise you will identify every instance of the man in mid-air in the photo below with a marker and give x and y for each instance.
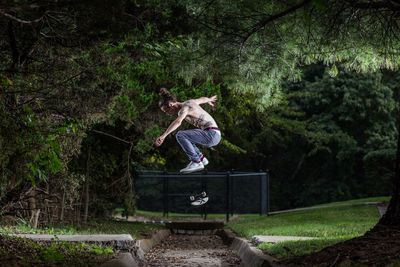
(207, 134)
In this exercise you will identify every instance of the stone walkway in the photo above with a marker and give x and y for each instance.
(191, 250)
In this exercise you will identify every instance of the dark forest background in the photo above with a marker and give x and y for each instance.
(79, 84)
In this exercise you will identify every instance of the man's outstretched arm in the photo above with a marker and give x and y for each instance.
(173, 126)
(206, 100)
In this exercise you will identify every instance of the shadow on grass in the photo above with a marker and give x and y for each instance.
(287, 249)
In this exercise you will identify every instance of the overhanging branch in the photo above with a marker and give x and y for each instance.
(2, 12)
(390, 5)
(261, 24)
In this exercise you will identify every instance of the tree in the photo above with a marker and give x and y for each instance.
(54, 88)
(255, 45)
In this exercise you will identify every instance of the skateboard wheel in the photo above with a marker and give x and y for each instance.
(203, 194)
(191, 198)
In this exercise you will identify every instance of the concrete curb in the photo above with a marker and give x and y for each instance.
(144, 245)
(121, 242)
(123, 260)
(250, 255)
(141, 247)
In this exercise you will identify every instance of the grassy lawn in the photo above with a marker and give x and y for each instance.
(136, 229)
(330, 223)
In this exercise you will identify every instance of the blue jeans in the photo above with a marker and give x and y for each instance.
(188, 139)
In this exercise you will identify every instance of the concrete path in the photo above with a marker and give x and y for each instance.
(324, 206)
(276, 239)
(382, 209)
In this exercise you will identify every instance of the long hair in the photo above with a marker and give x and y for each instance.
(166, 97)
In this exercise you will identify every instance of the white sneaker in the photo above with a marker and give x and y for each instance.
(204, 161)
(192, 167)
(199, 201)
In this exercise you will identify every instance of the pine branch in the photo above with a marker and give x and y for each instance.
(261, 24)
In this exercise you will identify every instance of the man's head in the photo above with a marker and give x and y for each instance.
(168, 102)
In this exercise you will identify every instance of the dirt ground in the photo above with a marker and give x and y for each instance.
(191, 250)
(378, 248)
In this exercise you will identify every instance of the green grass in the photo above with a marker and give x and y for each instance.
(25, 252)
(324, 222)
(288, 249)
(330, 223)
(93, 227)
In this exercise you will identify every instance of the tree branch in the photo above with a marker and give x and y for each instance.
(391, 5)
(113, 136)
(2, 12)
(261, 24)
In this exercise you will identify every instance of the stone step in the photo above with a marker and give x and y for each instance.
(190, 225)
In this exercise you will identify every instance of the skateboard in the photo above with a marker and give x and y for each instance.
(198, 200)
(189, 172)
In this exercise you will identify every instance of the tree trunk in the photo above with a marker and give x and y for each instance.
(35, 212)
(63, 204)
(85, 216)
(392, 215)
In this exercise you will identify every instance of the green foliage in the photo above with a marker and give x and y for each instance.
(255, 45)
(47, 161)
(275, 110)
(333, 165)
(53, 254)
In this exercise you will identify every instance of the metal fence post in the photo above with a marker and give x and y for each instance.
(263, 194)
(165, 195)
(204, 189)
(232, 190)
(164, 192)
(267, 172)
(228, 190)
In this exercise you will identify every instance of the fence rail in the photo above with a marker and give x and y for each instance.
(234, 182)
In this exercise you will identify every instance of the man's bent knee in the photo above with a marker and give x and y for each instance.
(179, 135)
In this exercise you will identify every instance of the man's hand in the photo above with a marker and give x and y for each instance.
(158, 142)
(212, 100)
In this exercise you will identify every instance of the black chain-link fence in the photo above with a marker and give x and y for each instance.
(229, 192)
